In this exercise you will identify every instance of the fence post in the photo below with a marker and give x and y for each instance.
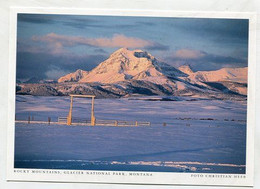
(29, 118)
(49, 120)
(116, 123)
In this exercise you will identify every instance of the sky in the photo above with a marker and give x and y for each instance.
(50, 46)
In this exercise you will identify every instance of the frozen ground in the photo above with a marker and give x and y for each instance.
(199, 136)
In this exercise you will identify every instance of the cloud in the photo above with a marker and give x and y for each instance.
(75, 21)
(78, 22)
(219, 30)
(157, 46)
(102, 51)
(55, 73)
(117, 41)
(81, 22)
(55, 48)
(223, 59)
(84, 25)
(50, 66)
(103, 22)
(145, 23)
(189, 54)
(35, 18)
(49, 56)
(201, 60)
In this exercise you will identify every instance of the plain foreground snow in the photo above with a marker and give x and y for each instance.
(199, 136)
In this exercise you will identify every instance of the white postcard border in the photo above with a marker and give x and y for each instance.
(113, 176)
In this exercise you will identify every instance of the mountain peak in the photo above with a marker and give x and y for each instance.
(143, 71)
(121, 50)
(224, 74)
(73, 77)
(125, 64)
(186, 68)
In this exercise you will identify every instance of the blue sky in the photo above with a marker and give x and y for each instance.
(49, 46)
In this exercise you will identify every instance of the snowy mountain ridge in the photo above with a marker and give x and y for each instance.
(186, 69)
(135, 72)
(73, 77)
(125, 64)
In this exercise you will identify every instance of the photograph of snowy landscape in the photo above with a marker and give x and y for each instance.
(128, 93)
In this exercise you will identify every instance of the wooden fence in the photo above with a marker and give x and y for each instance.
(101, 122)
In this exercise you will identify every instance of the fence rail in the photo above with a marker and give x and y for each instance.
(74, 120)
(62, 119)
(102, 122)
(85, 122)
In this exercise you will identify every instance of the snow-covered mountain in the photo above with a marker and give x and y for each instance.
(225, 79)
(125, 64)
(186, 69)
(73, 77)
(225, 74)
(38, 80)
(136, 72)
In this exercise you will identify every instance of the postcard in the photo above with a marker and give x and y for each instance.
(141, 97)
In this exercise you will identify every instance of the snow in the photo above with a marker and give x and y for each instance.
(242, 90)
(224, 74)
(199, 136)
(180, 85)
(122, 65)
(186, 69)
(132, 65)
(75, 76)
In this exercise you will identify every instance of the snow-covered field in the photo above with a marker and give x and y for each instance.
(199, 136)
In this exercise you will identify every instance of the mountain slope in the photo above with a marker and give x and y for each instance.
(132, 88)
(186, 69)
(129, 73)
(73, 77)
(125, 64)
(225, 74)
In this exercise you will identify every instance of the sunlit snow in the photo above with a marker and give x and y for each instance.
(198, 135)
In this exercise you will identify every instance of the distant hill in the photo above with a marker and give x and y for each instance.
(38, 80)
(73, 77)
